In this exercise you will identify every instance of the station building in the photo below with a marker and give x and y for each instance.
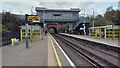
(60, 16)
(50, 18)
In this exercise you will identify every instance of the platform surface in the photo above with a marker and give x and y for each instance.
(106, 41)
(63, 59)
(39, 53)
(0, 57)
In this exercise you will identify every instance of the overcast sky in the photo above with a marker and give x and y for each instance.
(23, 7)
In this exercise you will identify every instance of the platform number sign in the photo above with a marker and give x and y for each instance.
(34, 18)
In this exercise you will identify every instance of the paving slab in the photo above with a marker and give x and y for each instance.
(39, 53)
(64, 61)
(0, 57)
(51, 57)
(107, 41)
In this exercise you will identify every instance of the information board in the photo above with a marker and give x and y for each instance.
(34, 18)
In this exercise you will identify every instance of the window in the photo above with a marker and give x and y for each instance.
(56, 14)
(74, 13)
(23, 30)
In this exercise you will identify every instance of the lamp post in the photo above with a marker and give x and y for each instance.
(84, 22)
(27, 39)
(43, 24)
(31, 25)
(93, 17)
(112, 27)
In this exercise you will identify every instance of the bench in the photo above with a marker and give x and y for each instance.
(14, 41)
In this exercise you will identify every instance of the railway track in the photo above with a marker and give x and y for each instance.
(95, 56)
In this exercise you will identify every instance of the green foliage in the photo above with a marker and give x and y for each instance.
(0, 27)
(110, 17)
(64, 27)
(52, 30)
(9, 22)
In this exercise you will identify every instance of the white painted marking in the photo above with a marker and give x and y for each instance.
(0, 57)
(69, 60)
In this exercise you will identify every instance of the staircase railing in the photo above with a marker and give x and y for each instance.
(77, 24)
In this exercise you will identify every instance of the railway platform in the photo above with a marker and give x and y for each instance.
(44, 52)
(107, 41)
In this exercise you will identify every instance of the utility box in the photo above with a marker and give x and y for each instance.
(35, 32)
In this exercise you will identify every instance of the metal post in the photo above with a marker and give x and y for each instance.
(21, 33)
(84, 23)
(31, 32)
(112, 31)
(89, 32)
(26, 31)
(69, 27)
(32, 25)
(93, 17)
(105, 33)
(40, 33)
(43, 24)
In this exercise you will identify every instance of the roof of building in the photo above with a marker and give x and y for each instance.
(98, 27)
(107, 26)
(65, 10)
(34, 26)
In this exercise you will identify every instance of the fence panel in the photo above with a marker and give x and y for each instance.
(6, 37)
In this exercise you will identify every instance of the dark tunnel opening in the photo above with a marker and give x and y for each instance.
(52, 30)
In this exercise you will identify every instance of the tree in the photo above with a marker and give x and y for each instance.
(9, 22)
(109, 9)
(0, 22)
(64, 27)
(112, 15)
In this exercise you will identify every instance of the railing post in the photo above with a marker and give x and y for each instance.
(26, 31)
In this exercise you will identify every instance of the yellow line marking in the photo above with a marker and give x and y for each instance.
(56, 55)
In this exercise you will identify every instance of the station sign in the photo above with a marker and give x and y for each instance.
(34, 18)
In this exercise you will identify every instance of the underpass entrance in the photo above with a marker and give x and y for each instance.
(52, 30)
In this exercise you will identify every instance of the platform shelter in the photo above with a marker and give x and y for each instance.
(35, 32)
(108, 31)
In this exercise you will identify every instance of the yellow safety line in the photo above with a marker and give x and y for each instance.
(58, 60)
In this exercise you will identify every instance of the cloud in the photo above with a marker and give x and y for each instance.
(65, 4)
(60, 0)
(25, 7)
(16, 7)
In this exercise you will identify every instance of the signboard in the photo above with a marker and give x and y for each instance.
(34, 18)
